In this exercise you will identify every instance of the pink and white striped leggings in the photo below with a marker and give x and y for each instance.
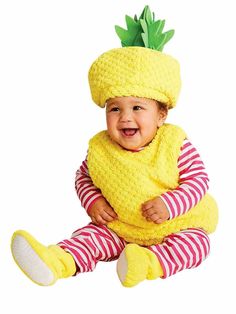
(178, 251)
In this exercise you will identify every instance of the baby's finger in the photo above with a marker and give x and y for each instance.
(159, 221)
(149, 212)
(154, 217)
(99, 220)
(106, 217)
(93, 220)
(147, 205)
(110, 212)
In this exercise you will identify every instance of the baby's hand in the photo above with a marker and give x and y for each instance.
(155, 210)
(101, 212)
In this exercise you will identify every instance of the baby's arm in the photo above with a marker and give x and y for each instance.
(193, 184)
(91, 197)
(87, 192)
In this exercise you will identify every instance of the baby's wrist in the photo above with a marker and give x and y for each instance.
(166, 206)
(91, 205)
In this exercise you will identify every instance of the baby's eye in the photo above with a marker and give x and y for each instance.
(137, 108)
(115, 109)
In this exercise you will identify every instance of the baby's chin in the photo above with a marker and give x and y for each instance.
(129, 146)
(132, 146)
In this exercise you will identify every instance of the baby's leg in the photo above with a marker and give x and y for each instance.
(91, 244)
(183, 250)
(45, 264)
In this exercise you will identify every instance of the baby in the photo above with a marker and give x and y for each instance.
(143, 183)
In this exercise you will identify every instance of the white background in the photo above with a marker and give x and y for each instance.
(47, 117)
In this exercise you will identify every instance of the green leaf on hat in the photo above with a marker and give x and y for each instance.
(163, 39)
(144, 32)
(131, 36)
(156, 28)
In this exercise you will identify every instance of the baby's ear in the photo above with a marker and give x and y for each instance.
(163, 110)
(163, 113)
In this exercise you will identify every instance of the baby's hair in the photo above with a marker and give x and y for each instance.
(162, 106)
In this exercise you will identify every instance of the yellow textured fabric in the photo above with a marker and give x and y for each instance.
(135, 71)
(129, 179)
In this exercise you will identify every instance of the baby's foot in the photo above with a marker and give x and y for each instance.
(136, 264)
(42, 264)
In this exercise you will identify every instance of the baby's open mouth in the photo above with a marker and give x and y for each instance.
(129, 131)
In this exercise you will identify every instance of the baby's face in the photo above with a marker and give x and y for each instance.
(133, 122)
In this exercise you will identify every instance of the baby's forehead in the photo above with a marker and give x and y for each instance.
(122, 98)
(129, 100)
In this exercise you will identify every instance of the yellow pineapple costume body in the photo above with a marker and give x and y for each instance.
(128, 179)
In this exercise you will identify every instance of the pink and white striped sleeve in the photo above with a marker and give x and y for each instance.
(193, 182)
(87, 192)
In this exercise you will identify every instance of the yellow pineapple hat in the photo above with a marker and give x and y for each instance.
(139, 68)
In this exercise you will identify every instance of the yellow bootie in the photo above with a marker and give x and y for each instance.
(42, 264)
(136, 264)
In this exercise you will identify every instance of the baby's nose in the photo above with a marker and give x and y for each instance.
(126, 116)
